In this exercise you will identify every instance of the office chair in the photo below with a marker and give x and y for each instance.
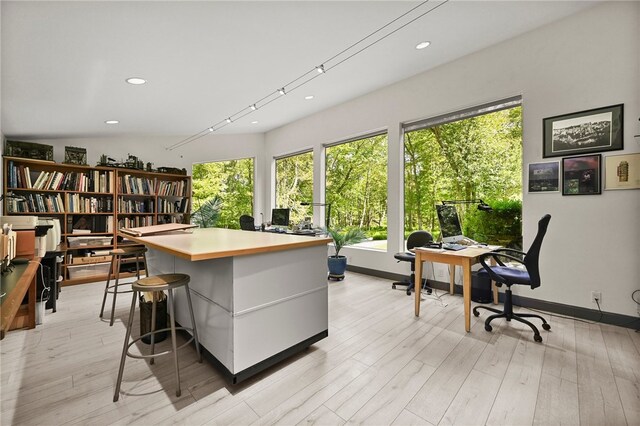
(509, 276)
(416, 239)
(247, 223)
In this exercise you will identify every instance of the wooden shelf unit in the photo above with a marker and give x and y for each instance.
(121, 183)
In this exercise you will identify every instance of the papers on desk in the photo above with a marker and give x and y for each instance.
(156, 229)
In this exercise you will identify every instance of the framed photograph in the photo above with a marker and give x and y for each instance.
(583, 132)
(544, 177)
(581, 175)
(622, 171)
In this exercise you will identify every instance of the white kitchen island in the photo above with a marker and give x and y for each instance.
(257, 297)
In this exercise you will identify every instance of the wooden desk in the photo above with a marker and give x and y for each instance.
(257, 297)
(16, 284)
(464, 258)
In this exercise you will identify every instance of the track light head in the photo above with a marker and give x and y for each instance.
(320, 69)
(253, 107)
(282, 91)
(229, 120)
(211, 129)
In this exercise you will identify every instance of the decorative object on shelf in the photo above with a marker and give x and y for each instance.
(73, 155)
(581, 175)
(544, 177)
(106, 161)
(149, 167)
(338, 264)
(584, 132)
(622, 171)
(134, 162)
(172, 170)
(31, 150)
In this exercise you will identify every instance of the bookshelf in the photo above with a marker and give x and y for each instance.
(92, 203)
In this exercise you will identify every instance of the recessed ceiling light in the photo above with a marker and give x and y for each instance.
(254, 122)
(112, 122)
(308, 97)
(423, 44)
(136, 80)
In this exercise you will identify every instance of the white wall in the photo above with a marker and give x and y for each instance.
(586, 61)
(153, 149)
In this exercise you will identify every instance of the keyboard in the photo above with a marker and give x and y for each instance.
(453, 246)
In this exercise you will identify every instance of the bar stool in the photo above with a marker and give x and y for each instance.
(139, 252)
(157, 284)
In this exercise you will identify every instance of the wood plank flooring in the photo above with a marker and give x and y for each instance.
(379, 366)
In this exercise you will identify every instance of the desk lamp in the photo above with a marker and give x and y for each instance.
(482, 206)
(327, 205)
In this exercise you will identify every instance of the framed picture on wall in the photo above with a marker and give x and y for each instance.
(581, 175)
(622, 171)
(583, 132)
(544, 177)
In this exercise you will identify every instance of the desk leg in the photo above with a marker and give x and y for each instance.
(418, 282)
(452, 279)
(32, 304)
(494, 288)
(466, 293)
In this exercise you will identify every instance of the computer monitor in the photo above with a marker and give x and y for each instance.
(280, 217)
(450, 228)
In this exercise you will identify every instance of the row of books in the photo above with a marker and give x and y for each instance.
(36, 203)
(93, 181)
(172, 188)
(128, 184)
(170, 219)
(134, 222)
(135, 206)
(168, 206)
(80, 204)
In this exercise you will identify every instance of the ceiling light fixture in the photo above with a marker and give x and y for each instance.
(211, 129)
(332, 62)
(111, 122)
(423, 44)
(254, 122)
(136, 81)
(309, 97)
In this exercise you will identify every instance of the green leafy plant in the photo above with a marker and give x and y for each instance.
(208, 213)
(502, 226)
(346, 238)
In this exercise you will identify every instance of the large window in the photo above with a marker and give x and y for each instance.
(470, 155)
(294, 185)
(356, 187)
(222, 192)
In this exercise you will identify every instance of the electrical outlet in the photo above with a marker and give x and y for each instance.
(596, 295)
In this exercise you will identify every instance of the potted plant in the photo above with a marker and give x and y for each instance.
(337, 263)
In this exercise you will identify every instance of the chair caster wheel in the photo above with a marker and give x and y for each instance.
(488, 327)
(393, 286)
(537, 338)
(476, 313)
(408, 292)
(546, 326)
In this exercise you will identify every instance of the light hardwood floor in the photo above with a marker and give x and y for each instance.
(379, 366)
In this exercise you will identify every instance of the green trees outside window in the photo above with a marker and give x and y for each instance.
(230, 184)
(478, 157)
(294, 185)
(356, 187)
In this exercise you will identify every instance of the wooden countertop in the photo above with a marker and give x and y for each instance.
(16, 284)
(213, 243)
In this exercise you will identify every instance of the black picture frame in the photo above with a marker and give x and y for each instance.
(582, 175)
(584, 132)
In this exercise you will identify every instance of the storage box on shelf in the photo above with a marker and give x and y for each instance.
(91, 204)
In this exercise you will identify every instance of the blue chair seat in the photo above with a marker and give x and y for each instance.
(510, 275)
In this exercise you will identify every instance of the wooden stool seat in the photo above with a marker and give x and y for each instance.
(162, 282)
(139, 253)
(156, 285)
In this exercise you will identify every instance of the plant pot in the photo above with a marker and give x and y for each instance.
(337, 266)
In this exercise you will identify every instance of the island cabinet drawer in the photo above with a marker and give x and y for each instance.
(266, 278)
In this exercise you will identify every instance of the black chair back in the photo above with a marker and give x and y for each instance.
(247, 223)
(531, 259)
(418, 239)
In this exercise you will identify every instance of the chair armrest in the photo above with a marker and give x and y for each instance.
(495, 255)
(508, 250)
